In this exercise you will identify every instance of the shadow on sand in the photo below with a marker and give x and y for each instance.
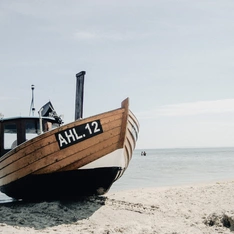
(40, 215)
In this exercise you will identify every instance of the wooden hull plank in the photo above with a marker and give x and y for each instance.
(48, 150)
(32, 165)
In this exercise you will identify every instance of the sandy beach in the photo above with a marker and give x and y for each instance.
(189, 209)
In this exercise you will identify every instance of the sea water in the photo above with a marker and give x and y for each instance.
(173, 167)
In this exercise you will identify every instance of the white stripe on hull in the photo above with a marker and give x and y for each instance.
(113, 159)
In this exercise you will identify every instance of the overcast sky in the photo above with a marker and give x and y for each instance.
(174, 59)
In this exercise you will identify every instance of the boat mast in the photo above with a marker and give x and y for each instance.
(79, 95)
(32, 109)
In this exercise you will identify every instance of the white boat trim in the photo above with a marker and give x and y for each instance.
(113, 159)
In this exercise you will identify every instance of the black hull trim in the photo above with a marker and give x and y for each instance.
(63, 185)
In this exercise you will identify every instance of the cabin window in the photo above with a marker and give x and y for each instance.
(47, 125)
(31, 129)
(10, 136)
(55, 125)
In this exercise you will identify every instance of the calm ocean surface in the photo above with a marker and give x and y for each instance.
(172, 167)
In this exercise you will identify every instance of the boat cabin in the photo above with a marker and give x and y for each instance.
(14, 131)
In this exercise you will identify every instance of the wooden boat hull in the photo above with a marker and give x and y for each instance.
(81, 158)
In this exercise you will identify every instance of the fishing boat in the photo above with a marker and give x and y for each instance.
(42, 158)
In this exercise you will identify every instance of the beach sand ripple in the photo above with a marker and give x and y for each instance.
(196, 209)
